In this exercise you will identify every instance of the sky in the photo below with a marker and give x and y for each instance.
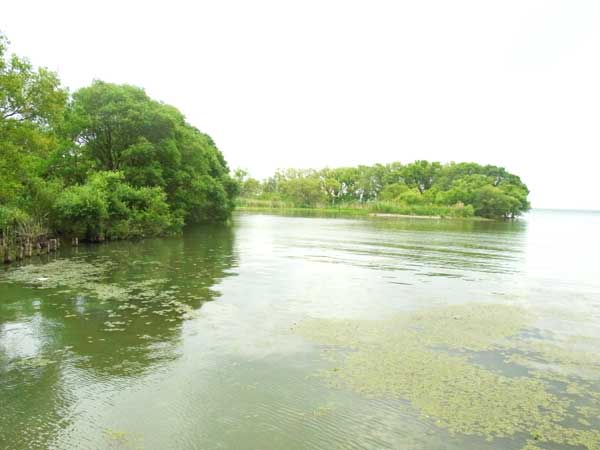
(317, 83)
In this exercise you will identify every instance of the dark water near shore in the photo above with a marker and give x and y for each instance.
(188, 343)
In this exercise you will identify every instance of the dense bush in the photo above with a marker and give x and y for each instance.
(106, 207)
(11, 218)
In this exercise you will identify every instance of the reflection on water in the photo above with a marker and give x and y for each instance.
(120, 345)
(97, 314)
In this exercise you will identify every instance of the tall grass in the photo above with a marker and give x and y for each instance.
(380, 207)
(244, 202)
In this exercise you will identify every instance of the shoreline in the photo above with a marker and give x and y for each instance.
(356, 212)
(404, 216)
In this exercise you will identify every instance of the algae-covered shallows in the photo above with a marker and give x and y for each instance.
(119, 345)
(430, 359)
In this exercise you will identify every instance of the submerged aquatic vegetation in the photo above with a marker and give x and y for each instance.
(76, 275)
(427, 358)
(80, 277)
(34, 363)
(72, 272)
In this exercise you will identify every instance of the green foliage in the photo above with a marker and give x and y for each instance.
(81, 210)
(248, 186)
(31, 104)
(419, 188)
(420, 174)
(106, 207)
(11, 218)
(28, 97)
(119, 128)
(303, 191)
(393, 191)
(458, 210)
(109, 162)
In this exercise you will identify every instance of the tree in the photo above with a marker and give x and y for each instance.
(304, 192)
(332, 188)
(421, 174)
(119, 128)
(28, 96)
(110, 162)
(31, 106)
(493, 203)
(248, 186)
(393, 191)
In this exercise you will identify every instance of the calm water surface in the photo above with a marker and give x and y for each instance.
(186, 343)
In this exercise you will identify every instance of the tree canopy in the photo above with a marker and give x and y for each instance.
(106, 161)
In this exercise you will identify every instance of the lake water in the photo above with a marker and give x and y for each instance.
(200, 341)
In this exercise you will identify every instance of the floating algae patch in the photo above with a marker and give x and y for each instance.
(34, 363)
(426, 358)
(76, 274)
(69, 273)
(531, 446)
(575, 357)
(123, 440)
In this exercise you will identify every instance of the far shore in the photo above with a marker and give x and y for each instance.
(404, 216)
(353, 212)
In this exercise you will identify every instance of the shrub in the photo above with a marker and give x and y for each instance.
(106, 206)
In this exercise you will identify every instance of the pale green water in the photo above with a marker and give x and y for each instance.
(188, 343)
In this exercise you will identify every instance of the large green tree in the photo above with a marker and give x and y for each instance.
(32, 103)
(119, 128)
(421, 174)
(107, 162)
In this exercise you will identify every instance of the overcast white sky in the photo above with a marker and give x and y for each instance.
(329, 83)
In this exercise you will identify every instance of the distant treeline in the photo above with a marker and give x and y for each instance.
(106, 162)
(421, 187)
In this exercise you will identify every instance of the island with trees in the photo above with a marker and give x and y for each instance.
(420, 188)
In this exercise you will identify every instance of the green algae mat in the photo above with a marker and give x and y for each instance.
(434, 360)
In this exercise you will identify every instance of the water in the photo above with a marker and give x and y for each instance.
(189, 343)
